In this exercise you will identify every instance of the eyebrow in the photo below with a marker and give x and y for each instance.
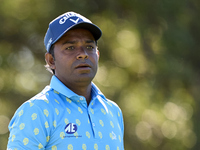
(90, 41)
(68, 42)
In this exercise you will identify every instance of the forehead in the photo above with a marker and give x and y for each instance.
(77, 34)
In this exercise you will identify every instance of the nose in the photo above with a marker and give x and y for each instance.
(82, 54)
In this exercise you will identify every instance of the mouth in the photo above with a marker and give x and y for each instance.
(83, 66)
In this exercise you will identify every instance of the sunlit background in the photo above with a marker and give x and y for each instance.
(149, 64)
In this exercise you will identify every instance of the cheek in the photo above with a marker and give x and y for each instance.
(95, 63)
(95, 59)
(60, 63)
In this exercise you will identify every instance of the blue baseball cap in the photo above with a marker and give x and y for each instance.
(63, 23)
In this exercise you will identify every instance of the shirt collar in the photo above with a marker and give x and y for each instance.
(58, 86)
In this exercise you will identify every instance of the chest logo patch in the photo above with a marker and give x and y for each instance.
(71, 128)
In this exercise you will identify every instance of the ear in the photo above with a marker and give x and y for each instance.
(98, 54)
(50, 60)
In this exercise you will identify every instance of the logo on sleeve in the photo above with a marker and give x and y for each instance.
(71, 128)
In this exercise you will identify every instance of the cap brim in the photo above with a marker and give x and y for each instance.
(95, 30)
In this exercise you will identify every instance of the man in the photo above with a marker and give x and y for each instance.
(71, 113)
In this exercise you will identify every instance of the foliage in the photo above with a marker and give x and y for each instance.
(149, 64)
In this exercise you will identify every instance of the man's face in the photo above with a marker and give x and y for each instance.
(76, 57)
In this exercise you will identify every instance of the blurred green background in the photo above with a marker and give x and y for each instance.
(149, 64)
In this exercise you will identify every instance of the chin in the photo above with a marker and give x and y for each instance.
(85, 78)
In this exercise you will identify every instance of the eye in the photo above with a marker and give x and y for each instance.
(90, 47)
(70, 48)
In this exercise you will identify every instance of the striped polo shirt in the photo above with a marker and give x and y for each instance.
(59, 119)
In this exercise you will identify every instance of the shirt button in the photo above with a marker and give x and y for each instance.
(81, 98)
(93, 124)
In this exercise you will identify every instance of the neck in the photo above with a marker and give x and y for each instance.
(83, 91)
(80, 87)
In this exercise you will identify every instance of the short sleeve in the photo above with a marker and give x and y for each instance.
(121, 121)
(122, 127)
(29, 128)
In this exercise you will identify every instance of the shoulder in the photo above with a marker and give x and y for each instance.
(113, 107)
(113, 104)
(46, 98)
(35, 105)
(38, 108)
(101, 96)
(31, 118)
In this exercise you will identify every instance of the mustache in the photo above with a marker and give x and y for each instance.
(82, 63)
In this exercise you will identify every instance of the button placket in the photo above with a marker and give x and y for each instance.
(82, 101)
(91, 114)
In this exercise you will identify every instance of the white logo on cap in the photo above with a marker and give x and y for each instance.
(64, 18)
(75, 21)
